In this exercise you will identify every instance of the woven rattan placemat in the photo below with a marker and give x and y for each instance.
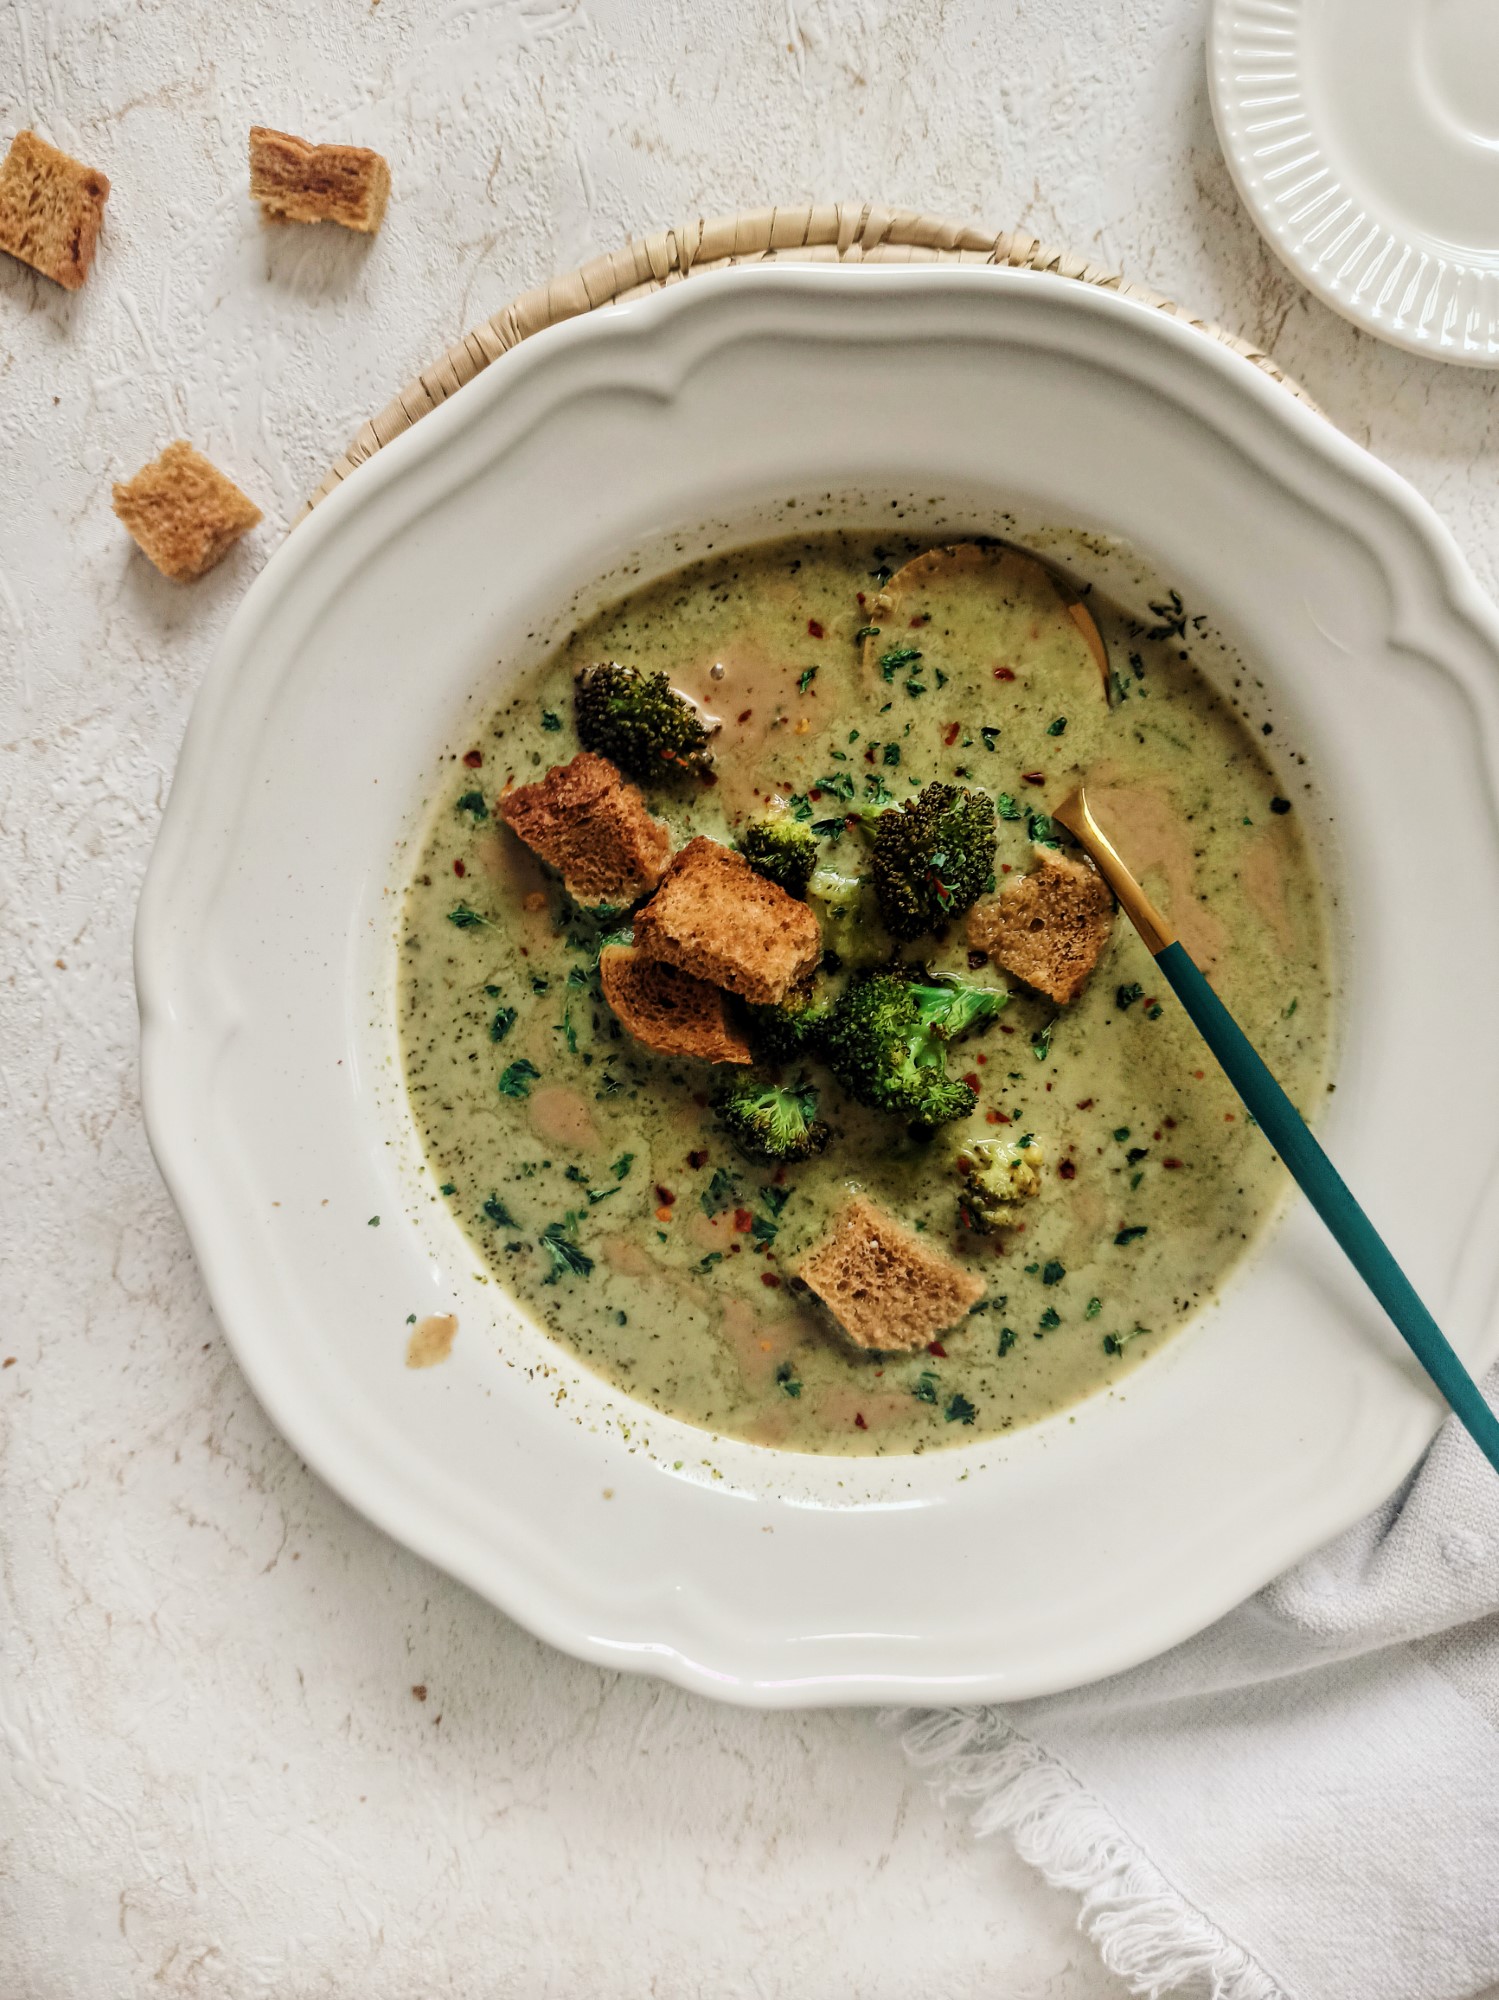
(831, 232)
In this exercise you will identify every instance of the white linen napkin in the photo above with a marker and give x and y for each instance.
(1302, 1803)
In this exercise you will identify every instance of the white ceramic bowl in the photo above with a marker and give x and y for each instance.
(265, 965)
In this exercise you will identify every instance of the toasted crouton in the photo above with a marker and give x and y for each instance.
(670, 1011)
(297, 182)
(884, 1286)
(51, 209)
(184, 513)
(715, 917)
(591, 825)
(1048, 927)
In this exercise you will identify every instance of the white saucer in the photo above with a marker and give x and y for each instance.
(1364, 138)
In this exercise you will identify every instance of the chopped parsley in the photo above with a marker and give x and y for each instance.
(775, 1198)
(876, 791)
(841, 785)
(1042, 832)
(1093, 1308)
(1057, 728)
(1126, 996)
(448, 1187)
(1050, 1318)
(990, 736)
(1008, 808)
(1006, 1339)
(473, 802)
(1132, 1234)
(890, 754)
(1052, 1273)
(804, 681)
(516, 1081)
(764, 1230)
(897, 659)
(960, 1411)
(622, 1165)
(566, 1258)
(866, 632)
(1115, 1343)
(720, 1192)
(502, 1023)
(1280, 805)
(465, 919)
(498, 1214)
(800, 805)
(925, 1389)
(1041, 1042)
(1121, 1133)
(550, 722)
(787, 1380)
(1154, 1011)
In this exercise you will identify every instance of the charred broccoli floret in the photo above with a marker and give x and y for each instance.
(999, 1176)
(782, 849)
(886, 1041)
(791, 1030)
(770, 1121)
(933, 856)
(639, 722)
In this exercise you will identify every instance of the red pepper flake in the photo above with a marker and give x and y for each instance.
(814, 628)
(1228, 1117)
(921, 618)
(859, 596)
(971, 1078)
(779, 1176)
(814, 793)
(1170, 1123)
(859, 1423)
(1171, 1165)
(1199, 1074)
(1034, 777)
(981, 1060)
(1085, 1104)
(769, 1278)
(1067, 1169)
(743, 1221)
(459, 869)
(996, 1118)
(951, 735)
(1156, 1133)
(664, 1195)
(936, 1347)
(473, 759)
(663, 1215)
(697, 1160)
(745, 716)
(1005, 868)
(1004, 673)
(869, 756)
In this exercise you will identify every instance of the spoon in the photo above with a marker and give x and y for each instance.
(1313, 1172)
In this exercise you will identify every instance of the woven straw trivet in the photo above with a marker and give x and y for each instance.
(831, 232)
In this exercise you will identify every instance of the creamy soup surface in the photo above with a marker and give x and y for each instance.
(669, 1270)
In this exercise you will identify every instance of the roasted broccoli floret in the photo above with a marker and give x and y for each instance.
(639, 722)
(886, 1041)
(933, 856)
(999, 1176)
(791, 1030)
(770, 1121)
(849, 912)
(782, 849)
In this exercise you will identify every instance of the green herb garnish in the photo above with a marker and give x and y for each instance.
(1050, 1318)
(516, 1081)
(567, 1259)
(473, 802)
(897, 659)
(498, 1214)
(1132, 1234)
(1052, 1273)
(787, 1380)
(804, 681)
(550, 722)
(1007, 806)
(1093, 1308)
(1126, 996)
(960, 1411)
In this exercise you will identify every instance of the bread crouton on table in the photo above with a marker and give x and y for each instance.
(1048, 927)
(591, 825)
(51, 209)
(297, 182)
(668, 1010)
(713, 916)
(183, 512)
(886, 1288)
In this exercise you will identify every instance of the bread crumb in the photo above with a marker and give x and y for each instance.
(51, 210)
(183, 512)
(1048, 927)
(670, 1011)
(715, 917)
(295, 181)
(885, 1287)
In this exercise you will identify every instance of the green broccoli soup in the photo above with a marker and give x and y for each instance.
(780, 1056)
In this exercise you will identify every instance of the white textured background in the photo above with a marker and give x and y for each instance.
(216, 1778)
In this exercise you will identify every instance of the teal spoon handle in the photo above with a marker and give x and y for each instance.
(1324, 1187)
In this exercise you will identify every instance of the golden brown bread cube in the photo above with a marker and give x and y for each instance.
(670, 1011)
(886, 1288)
(297, 182)
(51, 209)
(183, 512)
(1048, 927)
(714, 917)
(591, 825)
